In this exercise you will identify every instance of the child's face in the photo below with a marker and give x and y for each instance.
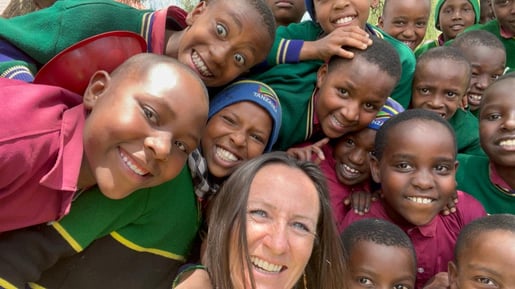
(350, 95)
(286, 12)
(487, 262)
(236, 133)
(223, 40)
(351, 155)
(455, 16)
(497, 124)
(440, 85)
(406, 20)
(487, 65)
(416, 171)
(487, 13)
(141, 129)
(331, 14)
(373, 265)
(503, 10)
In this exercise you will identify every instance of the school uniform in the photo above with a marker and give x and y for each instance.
(295, 82)
(466, 129)
(507, 40)
(42, 34)
(40, 152)
(136, 242)
(439, 41)
(338, 192)
(477, 176)
(434, 242)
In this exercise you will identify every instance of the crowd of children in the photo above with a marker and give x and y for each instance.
(110, 188)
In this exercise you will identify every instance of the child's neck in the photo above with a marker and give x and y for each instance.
(173, 39)
(507, 174)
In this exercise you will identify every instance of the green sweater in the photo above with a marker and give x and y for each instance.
(473, 177)
(44, 33)
(466, 128)
(136, 242)
(294, 82)
(509, 43)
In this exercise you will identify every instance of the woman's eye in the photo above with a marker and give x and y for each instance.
(301, 227)
(258, 213)
(221, 30)
(240, 59)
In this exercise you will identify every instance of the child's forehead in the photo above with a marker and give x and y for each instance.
(440, 67)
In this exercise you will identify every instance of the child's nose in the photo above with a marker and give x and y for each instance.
(423, 179)
(159, 144)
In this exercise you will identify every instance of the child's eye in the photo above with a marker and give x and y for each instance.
(181, 146)
(495, 76)
(451, 94)
(442, 168)
(228, 119)
(421, 24)
(369, 106)
(400, 286)
(257, 138)
(365, 281)
(423, 90)
(485, 280)
(349, 142)
(343, 91)
(221, 30)
(493, 116)
(150, 114)
(399, 23)
(240, 59)
(403, 166)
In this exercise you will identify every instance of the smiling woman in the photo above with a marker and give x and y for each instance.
(259, 238)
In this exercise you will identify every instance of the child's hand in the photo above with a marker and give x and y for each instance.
(332, 43)
(309, 153)
(451, 205)
(439, 281)
(360, 201)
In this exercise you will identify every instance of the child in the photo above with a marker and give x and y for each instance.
(488, 60)
(125, 134)
(487, 14)
(378, 255)
(301, 48)
(451, 18)
(348, 95)
(218, 51)
(414, 160)
(346, 165)
(484, 255)
(153, 228)
(491, 180)
(440, 83)
(406, 20)
(503, 28)
(286, 12)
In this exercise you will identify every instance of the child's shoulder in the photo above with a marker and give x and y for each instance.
(464, 119)
(468, 208)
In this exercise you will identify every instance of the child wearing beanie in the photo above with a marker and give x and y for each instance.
(243, 122)
(451, 18)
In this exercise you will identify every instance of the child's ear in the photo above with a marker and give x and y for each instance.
(374, 168)
(322, 72)
(98, 83)
(197, 11)
(453, 275)
(380, 22)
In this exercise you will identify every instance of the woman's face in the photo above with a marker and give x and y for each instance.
(282, 216)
